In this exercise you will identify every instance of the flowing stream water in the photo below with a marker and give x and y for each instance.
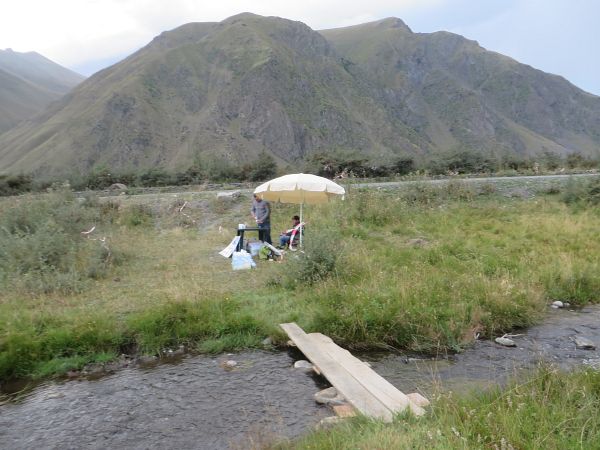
(202, 402)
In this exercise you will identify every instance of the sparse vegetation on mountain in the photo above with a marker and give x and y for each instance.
(228, 92)
(28, 84)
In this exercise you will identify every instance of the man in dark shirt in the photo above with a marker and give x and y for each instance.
(261, 211)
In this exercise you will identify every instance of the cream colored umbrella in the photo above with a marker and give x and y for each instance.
(300, 188)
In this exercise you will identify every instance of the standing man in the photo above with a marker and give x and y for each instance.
(261, 211)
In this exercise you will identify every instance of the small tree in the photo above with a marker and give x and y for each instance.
(263, 168)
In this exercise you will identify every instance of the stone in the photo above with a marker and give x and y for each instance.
(267, 342)
(328, 422)
(417, 242)
(558, 304)
(291, 343)
(583, 343)
(330, 396)
(304, 365)
(228, 365)
(117, 187)
(345, 410)
(54, 394)
(180, 351)
(505, 342)
(147, 359)
(228, 195)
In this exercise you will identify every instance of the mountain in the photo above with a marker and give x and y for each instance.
(469, 97)
(249, 84)
(28, 83)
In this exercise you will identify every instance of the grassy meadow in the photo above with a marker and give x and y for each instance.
(422, 268)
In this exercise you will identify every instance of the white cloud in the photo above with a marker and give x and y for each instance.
(553, 36)
(74, 31)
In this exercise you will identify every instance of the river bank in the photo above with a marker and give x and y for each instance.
(251, 399)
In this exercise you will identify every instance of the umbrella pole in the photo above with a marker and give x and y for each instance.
(301, 226)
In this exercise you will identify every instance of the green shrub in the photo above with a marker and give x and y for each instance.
(584, 192)
(41, 246)
(136, 216)
(15, 184)
(318, 261)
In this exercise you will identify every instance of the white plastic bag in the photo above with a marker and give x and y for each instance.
(242, 260)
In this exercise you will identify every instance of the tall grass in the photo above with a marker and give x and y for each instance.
(41, 246)
(423, 269)
(548, 410)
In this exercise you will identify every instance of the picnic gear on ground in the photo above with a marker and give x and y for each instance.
(242, 260)
(241, 232)
(253, 247)
(227, 251)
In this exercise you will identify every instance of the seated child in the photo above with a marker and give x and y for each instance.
(284, 237)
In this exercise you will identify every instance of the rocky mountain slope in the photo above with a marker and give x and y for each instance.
(29, 82)
(250, 84)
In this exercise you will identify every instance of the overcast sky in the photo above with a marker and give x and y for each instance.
(557, 36)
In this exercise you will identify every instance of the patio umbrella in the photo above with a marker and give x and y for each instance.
(300, 188)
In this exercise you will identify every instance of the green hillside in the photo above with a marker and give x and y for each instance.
(250, 84)
(29, 82)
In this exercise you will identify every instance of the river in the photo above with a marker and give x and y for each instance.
(201, 402)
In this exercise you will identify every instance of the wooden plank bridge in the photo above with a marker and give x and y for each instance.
(368, 392)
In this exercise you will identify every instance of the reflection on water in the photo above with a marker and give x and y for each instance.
(198, 403)
(202, 403)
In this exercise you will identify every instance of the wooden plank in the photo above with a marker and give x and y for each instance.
(394, 399)
(346, 385)
(418, 399)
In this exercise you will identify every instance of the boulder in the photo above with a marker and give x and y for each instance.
(228, 195)
(117, 187)
(505, 342)
(330, 396)
(304, 365)
(583, 343)
(328, 422)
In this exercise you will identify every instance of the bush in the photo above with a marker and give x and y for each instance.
(582, 192)
(318, 261)
(463, 161)
(15, 184)
(41, 246)
(263, 168)
(137, 215)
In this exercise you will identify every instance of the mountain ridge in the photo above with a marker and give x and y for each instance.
(29, 82)
(250, 84)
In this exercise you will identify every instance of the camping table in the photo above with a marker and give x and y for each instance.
(240, 233)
